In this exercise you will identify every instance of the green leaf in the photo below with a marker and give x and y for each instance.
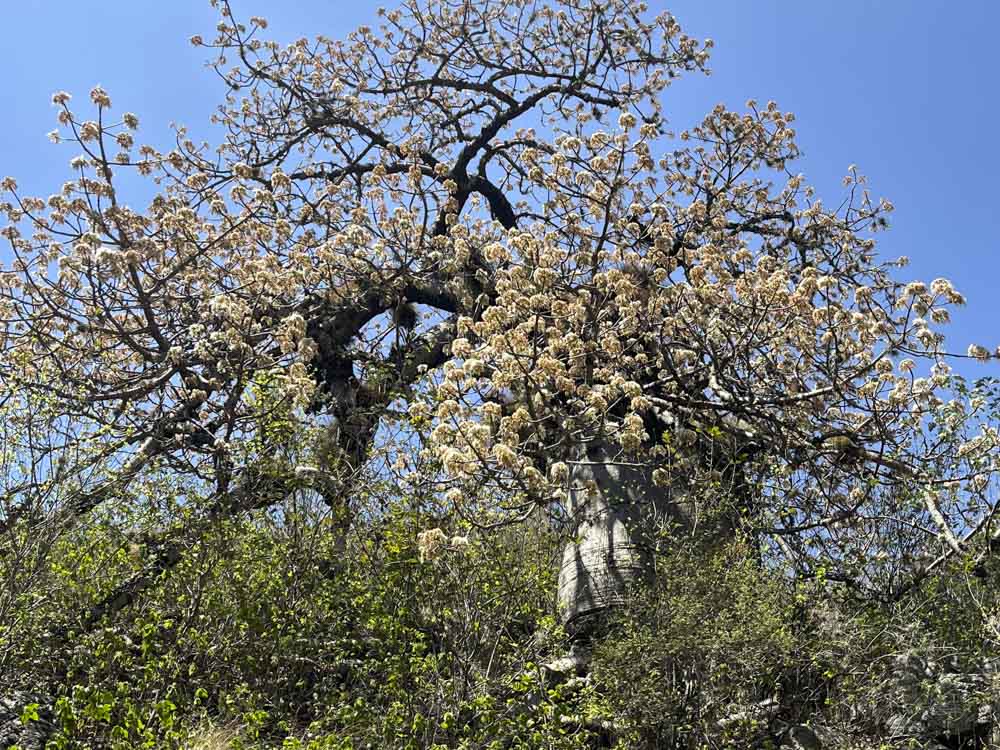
(29, 713)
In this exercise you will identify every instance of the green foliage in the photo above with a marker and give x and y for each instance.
(713, 635)
(269, 629)
(265, 626)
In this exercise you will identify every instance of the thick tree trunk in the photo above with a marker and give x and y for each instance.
(615, 532)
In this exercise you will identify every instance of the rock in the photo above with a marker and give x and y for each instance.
(765, 711)
(13, 732)
(937, 700)
(574, 664)
(802, 737)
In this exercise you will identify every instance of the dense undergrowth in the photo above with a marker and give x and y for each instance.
(266, 636)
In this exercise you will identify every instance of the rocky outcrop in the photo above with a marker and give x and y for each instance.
(936, 701)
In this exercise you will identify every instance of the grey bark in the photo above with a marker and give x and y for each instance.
(615, 532)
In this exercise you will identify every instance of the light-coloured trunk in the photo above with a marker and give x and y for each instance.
(615, 530)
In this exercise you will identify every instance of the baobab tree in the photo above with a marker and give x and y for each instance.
(473, 226)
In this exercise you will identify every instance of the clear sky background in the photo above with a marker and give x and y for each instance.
(906, 89)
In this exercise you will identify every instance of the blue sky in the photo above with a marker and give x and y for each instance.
(905, 90)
